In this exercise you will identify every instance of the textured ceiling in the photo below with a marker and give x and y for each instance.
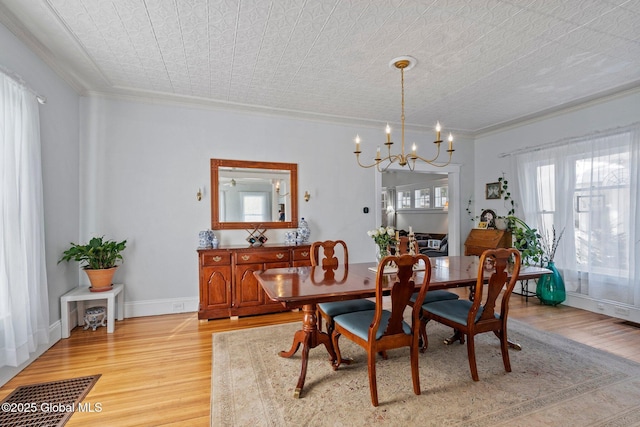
(481, 63)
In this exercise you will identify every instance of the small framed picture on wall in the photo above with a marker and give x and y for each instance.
(493, 190)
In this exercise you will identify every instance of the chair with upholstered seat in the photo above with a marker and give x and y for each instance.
(470, 318)
(404, 247)
(380, 330)
(323, 254)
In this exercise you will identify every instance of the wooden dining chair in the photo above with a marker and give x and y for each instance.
(470, 318)
(380, 330)
(323, 254)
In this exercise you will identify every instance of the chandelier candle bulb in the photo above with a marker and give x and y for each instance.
(404, 158)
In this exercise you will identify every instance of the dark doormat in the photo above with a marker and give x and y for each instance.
(46, 404)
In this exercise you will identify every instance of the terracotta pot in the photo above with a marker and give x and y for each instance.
(101, 280)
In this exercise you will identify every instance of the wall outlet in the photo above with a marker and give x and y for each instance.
(621, 310)
(178, 307)
(600, 306)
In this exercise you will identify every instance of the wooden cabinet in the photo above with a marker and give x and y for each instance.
(480, 240)
(228, 286)
(215, 281)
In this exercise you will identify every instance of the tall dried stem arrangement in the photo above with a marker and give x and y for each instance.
(550, 244)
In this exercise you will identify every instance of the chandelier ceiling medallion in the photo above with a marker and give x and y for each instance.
(404, 159)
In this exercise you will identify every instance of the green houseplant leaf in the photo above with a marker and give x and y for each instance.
(96, 255)
(526, 240)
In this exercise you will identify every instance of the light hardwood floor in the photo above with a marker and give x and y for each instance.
(156, 371)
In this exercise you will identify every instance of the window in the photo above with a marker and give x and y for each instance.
(440, 199)
(419, 196)
(423, 198)
(404, 199)
(586, 187)
(255, 207)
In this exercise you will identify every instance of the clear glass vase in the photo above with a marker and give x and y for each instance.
(381, 252)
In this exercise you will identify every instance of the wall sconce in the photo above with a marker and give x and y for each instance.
(278, 190)
(307, 196)
(199, 194)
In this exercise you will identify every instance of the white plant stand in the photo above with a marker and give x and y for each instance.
(82, 294)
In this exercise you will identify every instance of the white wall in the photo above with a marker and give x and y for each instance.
(146, 161)
(59, 140)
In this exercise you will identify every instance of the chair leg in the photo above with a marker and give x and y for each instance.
(415, 371)
(373, 385)
(423, 335)
(504, 348)
(471, 354)
(336, 348)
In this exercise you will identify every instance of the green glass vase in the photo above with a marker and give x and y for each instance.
(550, 288)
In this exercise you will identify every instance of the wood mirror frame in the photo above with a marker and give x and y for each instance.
(292, 197)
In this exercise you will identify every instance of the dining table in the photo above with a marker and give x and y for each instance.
(305, 287)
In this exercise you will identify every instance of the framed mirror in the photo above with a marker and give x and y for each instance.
(246, 194)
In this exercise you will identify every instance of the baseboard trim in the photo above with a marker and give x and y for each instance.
(608, 308)
(160, 307)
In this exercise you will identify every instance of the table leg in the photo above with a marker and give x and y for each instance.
(80, 312)
(310, 337)
(120, 302)
(111, 305)
(64, 317)
(510, 344)
(457, 336)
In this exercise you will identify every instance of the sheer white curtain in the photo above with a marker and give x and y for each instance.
(24, 309)
(589, 187)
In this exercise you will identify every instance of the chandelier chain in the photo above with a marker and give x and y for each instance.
(404, 159)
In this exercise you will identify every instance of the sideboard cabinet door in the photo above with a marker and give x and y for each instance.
(228, 286)
(215, 284)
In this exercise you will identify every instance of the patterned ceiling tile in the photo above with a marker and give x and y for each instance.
(331, 57)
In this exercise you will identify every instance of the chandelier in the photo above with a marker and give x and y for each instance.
(402, 158)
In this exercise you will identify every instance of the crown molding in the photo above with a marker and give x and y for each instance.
(162, 98)
(559, 110)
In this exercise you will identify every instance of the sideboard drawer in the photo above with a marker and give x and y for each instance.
(256, 257)
(302, 254)
(215, 258)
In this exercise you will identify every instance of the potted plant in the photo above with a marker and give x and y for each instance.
(98, 259)
(526, 240)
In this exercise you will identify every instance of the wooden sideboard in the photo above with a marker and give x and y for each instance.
(480, 240)
(228, 286)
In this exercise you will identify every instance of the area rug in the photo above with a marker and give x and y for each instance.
(48, 404)
(554, 381)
